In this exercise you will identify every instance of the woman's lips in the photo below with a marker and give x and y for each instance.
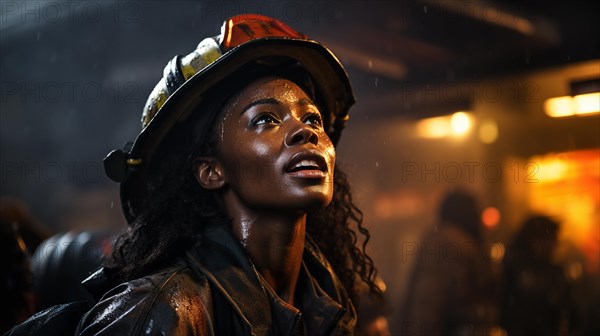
(307, 165)
(309, 173)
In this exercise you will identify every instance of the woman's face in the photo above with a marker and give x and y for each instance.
(274, 152)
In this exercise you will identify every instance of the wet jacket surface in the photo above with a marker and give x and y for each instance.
(215, 290)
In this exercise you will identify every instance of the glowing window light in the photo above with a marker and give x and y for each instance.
(551, 168)
(458, 124)
(559, 107)
(587, 103)
(573, 199)
(438, 127)
(566, 106)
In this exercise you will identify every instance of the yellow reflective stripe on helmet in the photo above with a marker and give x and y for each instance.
(206, 53)
(156, 100)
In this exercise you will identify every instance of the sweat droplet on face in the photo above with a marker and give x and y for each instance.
(222, 126)
(288, 93)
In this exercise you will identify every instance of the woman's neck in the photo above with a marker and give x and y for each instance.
(275, 244)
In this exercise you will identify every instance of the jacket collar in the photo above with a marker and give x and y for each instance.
(224, 262)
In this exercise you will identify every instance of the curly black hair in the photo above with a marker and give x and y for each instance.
(176, 209)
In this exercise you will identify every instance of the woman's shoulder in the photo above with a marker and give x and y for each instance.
(173, 301)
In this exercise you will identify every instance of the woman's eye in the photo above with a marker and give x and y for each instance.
(264, 119)
(314, 119)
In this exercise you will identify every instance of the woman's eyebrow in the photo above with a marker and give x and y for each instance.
(305, 102)
(260, 102)
(273, 101)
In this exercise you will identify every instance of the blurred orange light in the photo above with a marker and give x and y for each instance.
(497, 251)
(567, 106)
(490, 217)
(559, 107)
(567, 189)
(551, 168)
(488, 131)
(458, 124)
(587, 103)
(438, 127)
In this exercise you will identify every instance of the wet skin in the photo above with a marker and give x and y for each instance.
(275, 163)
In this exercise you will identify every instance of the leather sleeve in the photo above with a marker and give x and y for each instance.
(174, 302)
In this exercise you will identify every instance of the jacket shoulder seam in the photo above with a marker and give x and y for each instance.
(156, 293)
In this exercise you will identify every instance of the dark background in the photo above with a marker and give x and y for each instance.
(75, 75)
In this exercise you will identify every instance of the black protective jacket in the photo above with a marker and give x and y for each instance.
(215, 290)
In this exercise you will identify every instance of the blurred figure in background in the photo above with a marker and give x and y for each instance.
(537, 297)
(14, 210)
(451, 290)
(16, 290)
(16, 303)
(373, 311)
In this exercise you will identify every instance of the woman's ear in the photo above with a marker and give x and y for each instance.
(209, 173)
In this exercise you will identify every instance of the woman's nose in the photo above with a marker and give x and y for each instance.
(301, 133)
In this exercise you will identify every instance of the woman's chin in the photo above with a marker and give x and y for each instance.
(297, 204)
(313, 202)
